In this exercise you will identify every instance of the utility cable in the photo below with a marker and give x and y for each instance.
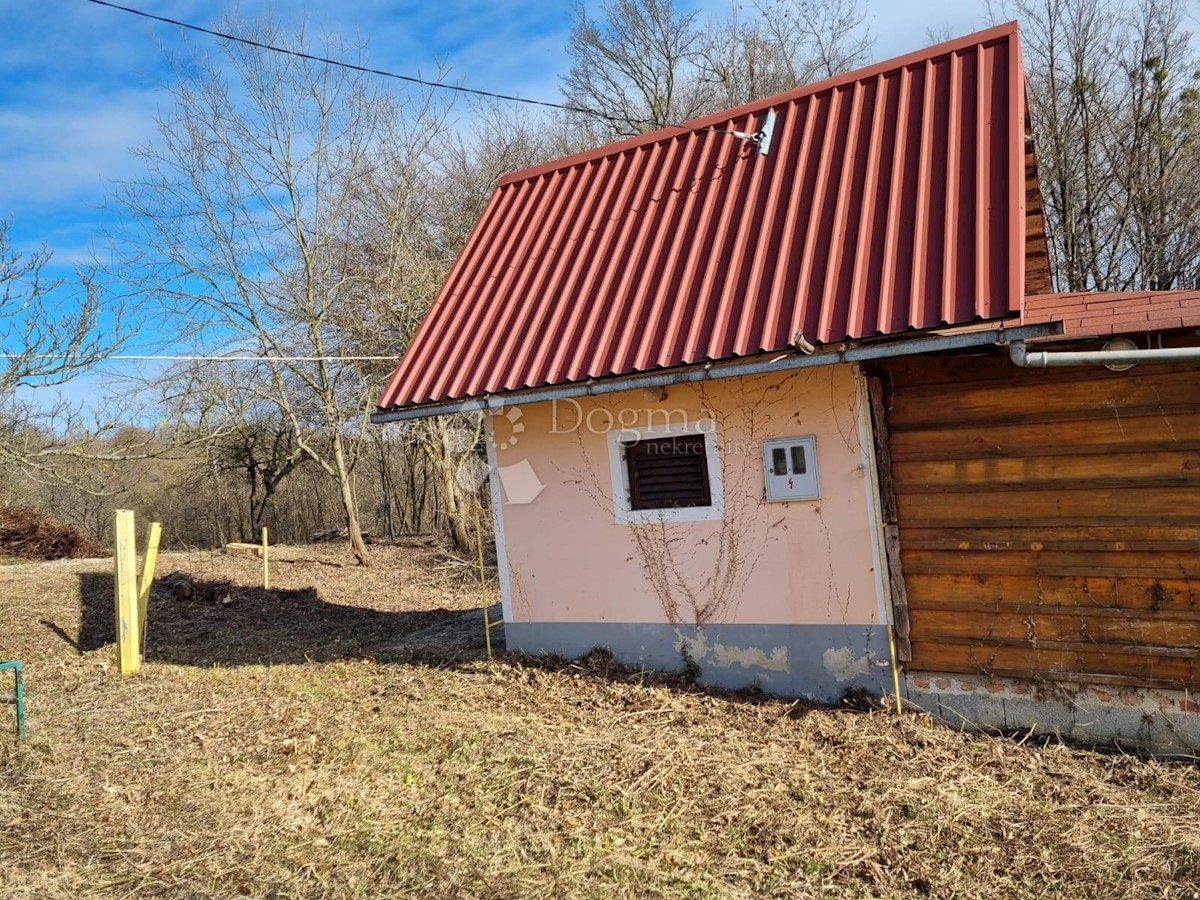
(412, 79)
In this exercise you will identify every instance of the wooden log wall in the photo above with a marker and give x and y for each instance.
(1049, 521)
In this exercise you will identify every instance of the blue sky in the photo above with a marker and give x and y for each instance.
(81, 84)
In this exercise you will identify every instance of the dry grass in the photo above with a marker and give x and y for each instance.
(362, 774)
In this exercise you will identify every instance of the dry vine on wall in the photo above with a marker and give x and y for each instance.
(698, 576)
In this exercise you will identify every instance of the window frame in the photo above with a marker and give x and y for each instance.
(624, 514)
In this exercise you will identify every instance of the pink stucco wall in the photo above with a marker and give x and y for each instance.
(799, 562)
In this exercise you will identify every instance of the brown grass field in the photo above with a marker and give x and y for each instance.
(292, 744)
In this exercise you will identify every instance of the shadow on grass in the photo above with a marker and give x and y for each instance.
(218, 623)
(599, 665)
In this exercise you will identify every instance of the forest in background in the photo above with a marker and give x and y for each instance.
(306, 214)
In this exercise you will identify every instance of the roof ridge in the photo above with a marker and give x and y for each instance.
(874, 70)
(893, 200)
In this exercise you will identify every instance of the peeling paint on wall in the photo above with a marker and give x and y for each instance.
(843, 665)
(725, 656)
(1159, 720)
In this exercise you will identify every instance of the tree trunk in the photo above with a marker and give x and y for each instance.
(455, 513)
(346, 490)
(249, 530)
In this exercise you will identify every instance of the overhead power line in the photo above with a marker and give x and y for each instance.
(412, 79)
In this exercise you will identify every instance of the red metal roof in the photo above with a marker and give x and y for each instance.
(1088, 314)
(893, 198)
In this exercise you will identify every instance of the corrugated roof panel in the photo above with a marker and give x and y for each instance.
(892, 199)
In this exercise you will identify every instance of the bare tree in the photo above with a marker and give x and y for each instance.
(781, 44)
(51, 330)
(246, 435)
(239, 228)
(644, 63)
(417, 215)
(1159, 143)
(44, 345)
(636, 65)
(1113, 98)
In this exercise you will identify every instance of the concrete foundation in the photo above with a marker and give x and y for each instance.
(818, 662)
(1145, 719)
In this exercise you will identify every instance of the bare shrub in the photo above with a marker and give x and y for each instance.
(29, 533)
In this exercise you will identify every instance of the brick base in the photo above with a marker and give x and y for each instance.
(1153, 720)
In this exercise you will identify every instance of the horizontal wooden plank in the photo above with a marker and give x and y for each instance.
(994, 366)
(1063, 664)
(1092, 470)
(1019, 591)
(1156, 432)
(976, 607)
(1080, 506)
(1123, 633)
(240, 548)
(1025, 403)
(1156, 564)
(1173, 537)
(1085, 646)
(1049, 521)
(1167, 539)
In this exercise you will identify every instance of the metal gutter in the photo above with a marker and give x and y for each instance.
(1042, 359)
(844, 353)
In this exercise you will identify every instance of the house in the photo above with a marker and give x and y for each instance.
(780, 395)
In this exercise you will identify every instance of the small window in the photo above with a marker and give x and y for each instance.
(790, 465)
(799, 460)
(779, 461)
(667, 472)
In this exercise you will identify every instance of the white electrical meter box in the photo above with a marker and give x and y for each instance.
(790, 465)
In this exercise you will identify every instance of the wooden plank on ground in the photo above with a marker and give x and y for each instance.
(239, 547)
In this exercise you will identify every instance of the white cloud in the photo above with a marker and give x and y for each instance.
(79, 88)
(65, 147)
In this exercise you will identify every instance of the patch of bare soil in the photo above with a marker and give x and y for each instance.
(342, 736)
(458, 638)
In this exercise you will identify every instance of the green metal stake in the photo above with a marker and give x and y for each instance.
(19, 677)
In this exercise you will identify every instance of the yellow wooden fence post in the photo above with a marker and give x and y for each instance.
(128, 620)
(266, 569)
(488, 624)
(148, 565)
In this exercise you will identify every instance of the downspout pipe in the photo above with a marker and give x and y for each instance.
(1042, 359)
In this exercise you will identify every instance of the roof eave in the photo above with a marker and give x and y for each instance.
(767, 363)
